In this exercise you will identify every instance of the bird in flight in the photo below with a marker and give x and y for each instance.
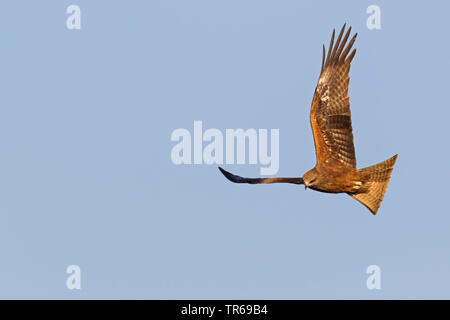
(330, 117)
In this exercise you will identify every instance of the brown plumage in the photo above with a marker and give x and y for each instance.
(331, 123)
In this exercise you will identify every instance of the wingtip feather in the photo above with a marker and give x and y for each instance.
(228, 175)
(338, 51)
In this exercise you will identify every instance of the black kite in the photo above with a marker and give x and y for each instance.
(335, 170)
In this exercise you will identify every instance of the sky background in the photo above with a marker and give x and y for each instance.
(86, 176)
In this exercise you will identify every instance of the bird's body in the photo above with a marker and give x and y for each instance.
(330, 117)
(331, 179)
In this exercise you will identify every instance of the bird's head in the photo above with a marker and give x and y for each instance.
(311, 178)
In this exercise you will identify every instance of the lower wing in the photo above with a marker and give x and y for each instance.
(238, 179)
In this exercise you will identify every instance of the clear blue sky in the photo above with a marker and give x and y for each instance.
(85, 171)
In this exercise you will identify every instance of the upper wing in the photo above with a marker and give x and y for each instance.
(330, 110)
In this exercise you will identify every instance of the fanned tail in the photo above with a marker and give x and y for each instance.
(376, 179)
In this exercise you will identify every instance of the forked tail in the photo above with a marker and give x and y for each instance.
(376, 179)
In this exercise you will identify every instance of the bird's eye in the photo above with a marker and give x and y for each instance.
(312, 181)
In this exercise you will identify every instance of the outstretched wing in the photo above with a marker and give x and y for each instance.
(238, 179)
(330, 110)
